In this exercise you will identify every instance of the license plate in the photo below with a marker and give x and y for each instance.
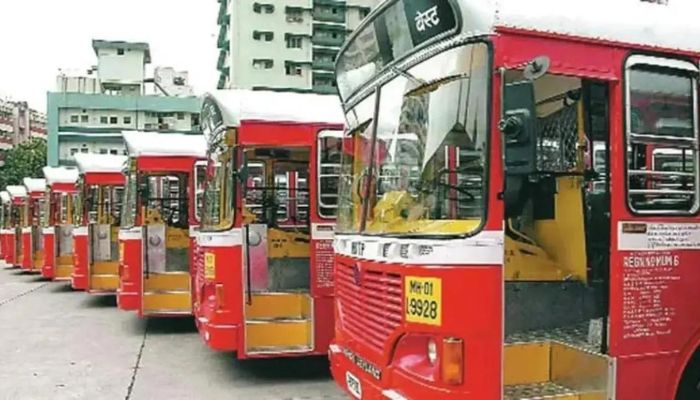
(354, 385)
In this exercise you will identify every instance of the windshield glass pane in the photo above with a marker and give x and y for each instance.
(355, 166)
(430, 150)
(130, 195)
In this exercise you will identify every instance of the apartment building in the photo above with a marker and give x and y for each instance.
(88, 111)
(19, 123)
(284, 44)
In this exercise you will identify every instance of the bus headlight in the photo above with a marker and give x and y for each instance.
(432, 351)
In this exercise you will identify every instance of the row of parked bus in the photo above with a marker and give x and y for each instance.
(163, 228)
(516, 192)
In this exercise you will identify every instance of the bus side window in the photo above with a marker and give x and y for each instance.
(661, 138)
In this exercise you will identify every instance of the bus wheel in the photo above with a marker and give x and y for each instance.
(689, 388)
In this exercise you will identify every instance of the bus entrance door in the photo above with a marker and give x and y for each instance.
(276, 256)
(166, 274)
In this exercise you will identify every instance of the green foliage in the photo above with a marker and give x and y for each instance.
(23, 161)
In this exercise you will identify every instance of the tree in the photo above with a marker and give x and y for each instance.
(23, 161)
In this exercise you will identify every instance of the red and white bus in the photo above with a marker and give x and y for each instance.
(13, 234)
(5, 226)
(263, 281)
(474, 259)
(32, 241)
(57, 224)
(97, 216)
(158, 221)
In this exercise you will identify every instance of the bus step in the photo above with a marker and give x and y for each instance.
(107, 282)
(63, 271)
(105, 268)
(172, 281)
(171, 301)
(280, 334)
(278, 305)
(548, 391)
(554, 370)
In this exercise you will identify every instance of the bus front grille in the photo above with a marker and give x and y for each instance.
(370, 304)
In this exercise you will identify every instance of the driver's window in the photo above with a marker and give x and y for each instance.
(165, 199)
(200, 177)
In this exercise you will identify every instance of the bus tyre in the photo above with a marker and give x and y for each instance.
(689, 387)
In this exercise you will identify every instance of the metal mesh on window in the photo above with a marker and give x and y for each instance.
(557, 140)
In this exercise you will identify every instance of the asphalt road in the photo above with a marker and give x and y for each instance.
(59, 344)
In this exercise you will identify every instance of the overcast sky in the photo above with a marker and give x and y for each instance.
(37, 37)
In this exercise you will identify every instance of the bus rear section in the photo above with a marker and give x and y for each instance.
(18, 200)
(32, 241)
(101, 186)
(160, 200)
(5, 203)
(264, 280)
(57, 224)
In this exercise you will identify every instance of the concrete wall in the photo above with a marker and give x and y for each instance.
(115, 68)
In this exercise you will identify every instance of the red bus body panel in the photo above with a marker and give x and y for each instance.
(48, 270)
(130, 252)
(79, 276)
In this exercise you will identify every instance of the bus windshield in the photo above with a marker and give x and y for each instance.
(427, 159)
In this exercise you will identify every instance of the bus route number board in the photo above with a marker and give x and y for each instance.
(423, 300)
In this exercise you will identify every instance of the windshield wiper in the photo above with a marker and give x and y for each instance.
(409, 76)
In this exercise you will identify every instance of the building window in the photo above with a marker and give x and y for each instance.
(84, 150)
(127, 120)
(263, 64)
(294, 42)
(266, 36)
(292, 69)
(364, 12)
(84, 119)
(294, 14)
(104, 120)
(180, 116)
(263, 8)
(73, 150)
(113, 120)
(74, 119)
(120, 52)
(114, 152)
(103, 151)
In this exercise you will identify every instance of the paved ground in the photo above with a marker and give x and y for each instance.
(60, 344)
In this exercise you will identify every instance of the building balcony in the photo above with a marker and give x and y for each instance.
(222, 82)
(221, 63)
(328, 16)
(328, 41)
(223, 41)
(224, 18)
(322, 64)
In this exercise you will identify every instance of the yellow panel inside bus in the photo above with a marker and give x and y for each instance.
(554, 249)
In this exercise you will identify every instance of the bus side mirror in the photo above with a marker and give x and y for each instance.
(519, 128)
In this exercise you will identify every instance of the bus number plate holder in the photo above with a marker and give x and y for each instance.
(354, 385)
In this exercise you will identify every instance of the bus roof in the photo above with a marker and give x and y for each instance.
(165, 144)
(657, 23)
(16, 191)
(5, 197)
(100, 163)
(239, 105)
(60, 175)
(34, 184)
(378, 43)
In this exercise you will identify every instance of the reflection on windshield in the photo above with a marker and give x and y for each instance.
(428, 157)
